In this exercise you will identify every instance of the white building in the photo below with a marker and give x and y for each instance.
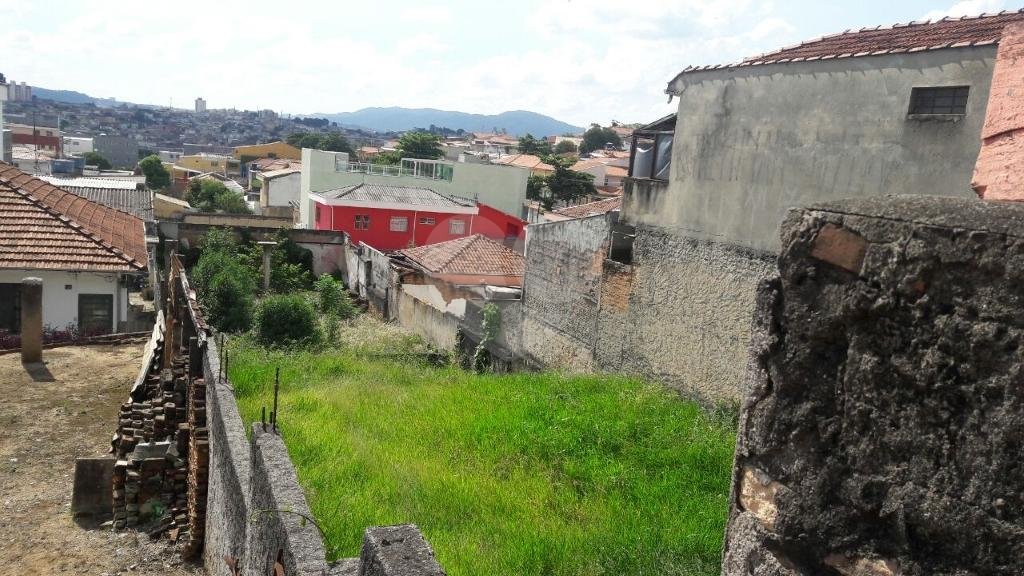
(77, 145)
(85, 253)
(200, 105)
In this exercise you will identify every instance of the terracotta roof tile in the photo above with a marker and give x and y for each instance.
(591, 208)
(473, 255)
(44, 227)
(980, 30)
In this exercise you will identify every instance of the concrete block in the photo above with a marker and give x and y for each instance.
(397, 551)
(92, 494)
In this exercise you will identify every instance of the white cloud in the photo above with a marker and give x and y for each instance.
(966, 8)
(426, 14)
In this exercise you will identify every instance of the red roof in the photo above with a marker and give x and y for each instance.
(980, 30)
(475, 255)
(44, 227)
(591, 208)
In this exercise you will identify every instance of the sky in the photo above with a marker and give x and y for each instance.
(578, 61)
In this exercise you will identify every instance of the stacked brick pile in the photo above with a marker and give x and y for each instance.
(161, 448)
(198, 467)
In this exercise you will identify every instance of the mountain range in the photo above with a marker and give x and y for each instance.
(395, 119)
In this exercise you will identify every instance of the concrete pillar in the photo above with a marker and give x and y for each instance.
(268, 246)
(31, 320)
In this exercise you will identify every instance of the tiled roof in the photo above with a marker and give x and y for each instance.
(383, 193)
(278, 173)
(44, 227)
(899, 38)
(592, 208)
(123, 195)
(524, 161)
(475, 255)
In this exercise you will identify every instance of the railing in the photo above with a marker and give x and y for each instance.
(426, 169)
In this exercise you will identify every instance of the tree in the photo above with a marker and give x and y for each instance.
(157, 176)
(213, 196)
(420, 145)
(535, 186)
(331, 142)
(96, 159)
(596, 137)
(565, 184)
(530, 145)
(565, 147)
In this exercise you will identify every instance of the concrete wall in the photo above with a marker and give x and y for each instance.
(752, 142)
(680, 313)
(60, 304)
(282, 190)
(500, 187)
(435, 326)
(882, 432)
(121, 151)
(560, 290)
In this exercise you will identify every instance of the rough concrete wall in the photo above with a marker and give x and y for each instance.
(508, 341)
(229, 482)
(999, 172)
(680, 314)
(278, 533)
(752, 142)
(560, 290)
(435, 326)
(884, 427)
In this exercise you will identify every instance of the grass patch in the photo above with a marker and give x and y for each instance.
(505, 474)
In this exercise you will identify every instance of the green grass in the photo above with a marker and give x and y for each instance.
(522, 474)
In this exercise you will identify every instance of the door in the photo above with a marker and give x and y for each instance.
(95, 313)
(10, 308)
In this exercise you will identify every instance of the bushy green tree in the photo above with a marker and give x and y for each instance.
(96, 159)
(331, 141)
(229, 300)
(208, 195)
(285, 319)
(530, 145)
(157, 177)
(565, 184)
(596, 137)
(420, 145)
(565, 147)
(333, 298)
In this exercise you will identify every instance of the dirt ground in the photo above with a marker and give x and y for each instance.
(48, 417)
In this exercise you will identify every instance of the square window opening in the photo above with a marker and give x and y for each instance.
(945, 100)
(457, 227)
(399, 224)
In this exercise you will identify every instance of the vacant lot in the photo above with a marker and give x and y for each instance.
(50, 415)
(514, 474)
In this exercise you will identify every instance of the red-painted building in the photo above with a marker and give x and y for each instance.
(396, 217)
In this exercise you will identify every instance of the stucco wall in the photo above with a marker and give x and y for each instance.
(283, 190)
(60, 305)
(560, 290)
(680, 314)
(752, 142)
(422, 318)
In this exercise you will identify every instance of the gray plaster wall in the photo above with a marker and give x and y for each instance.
(561, 290)
(680, 313)
(752, 142)
(882, 431)
(229, 483)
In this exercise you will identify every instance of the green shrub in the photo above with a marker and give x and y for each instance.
(286, 319)
(333, 298)
(228, 300)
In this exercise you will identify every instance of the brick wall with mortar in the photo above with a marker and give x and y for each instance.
(560, 290)
(883, 431)
(999, 170)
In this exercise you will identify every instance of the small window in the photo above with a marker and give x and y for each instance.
(426, 221)
(399, 223)
(362, 222)
(457, 227)
(945, 100)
